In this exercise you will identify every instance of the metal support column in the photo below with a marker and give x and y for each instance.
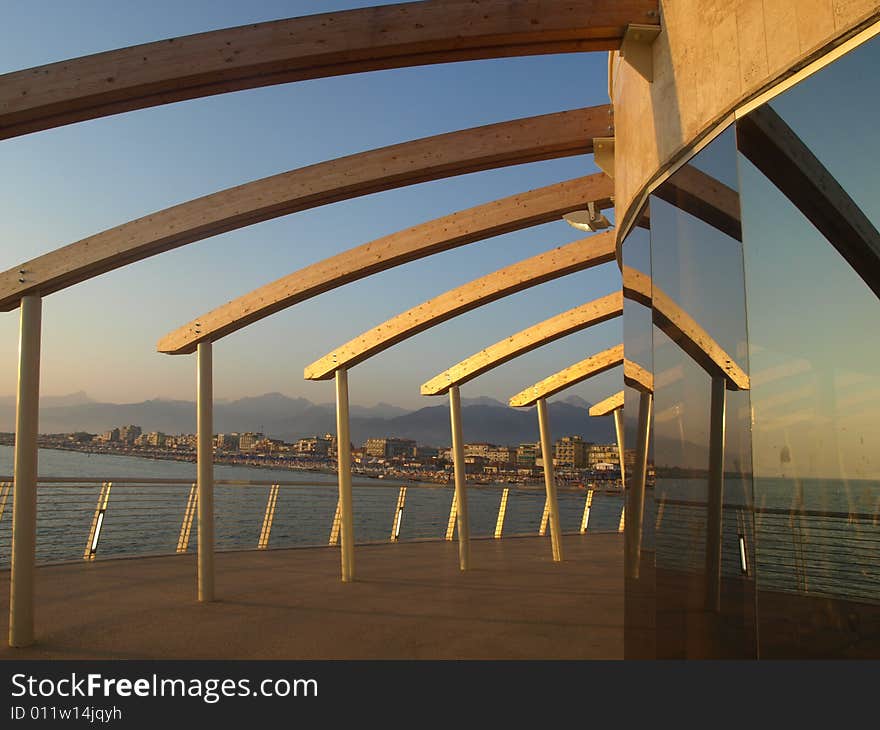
(464, 536)
(343, 463)
(24, 495)
(715, 496)
(205, 458)
(550, 479)
(635, 497)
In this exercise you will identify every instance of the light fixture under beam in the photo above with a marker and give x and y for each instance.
(587, 220)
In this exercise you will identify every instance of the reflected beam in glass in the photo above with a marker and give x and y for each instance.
(774, 148)
(704, 197)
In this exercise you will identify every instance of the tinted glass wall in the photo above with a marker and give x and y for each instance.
(814, 329)
(760, 292)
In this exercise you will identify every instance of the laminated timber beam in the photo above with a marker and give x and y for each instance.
(518, 141)
(442, 234)
(554, 328)
(577, 256)
(572, 375)
(777, 151)
(680, 327)
(309, 47)
(609, 405)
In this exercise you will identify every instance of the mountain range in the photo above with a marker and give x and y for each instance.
(279, 416)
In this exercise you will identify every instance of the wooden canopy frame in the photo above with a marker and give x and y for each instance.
(554, 328)
(572, 375)
(609, 405)
(309, 47)
(577, 256)
(442, 234)
(432, 158)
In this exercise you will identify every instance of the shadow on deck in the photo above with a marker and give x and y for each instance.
(409, 601)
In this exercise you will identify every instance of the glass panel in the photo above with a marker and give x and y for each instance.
(639, 607)
(705, 589)
(815, 355)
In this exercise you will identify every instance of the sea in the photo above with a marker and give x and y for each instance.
(143, 518)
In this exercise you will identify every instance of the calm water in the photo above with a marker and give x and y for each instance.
(147, 519)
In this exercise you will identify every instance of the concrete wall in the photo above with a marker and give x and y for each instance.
(711, 56)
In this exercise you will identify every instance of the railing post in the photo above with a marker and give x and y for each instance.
(453, 516)
(464, 544)
(343, 462)
(634, 507)
(398, 515)
(5, 488)
(585, 520)
(97, 522)
(24, 505)
(268, 518)
(188, 515)
(502, 510)
(715, 497)
(550, 480)
(334, 528)
(205, 456)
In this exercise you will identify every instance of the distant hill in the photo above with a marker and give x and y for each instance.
(483, 419)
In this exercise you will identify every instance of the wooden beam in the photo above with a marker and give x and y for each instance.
(432, 158)
(609, 405)
(576, 256)
(774, 148)
(572, 375)
(574, 320)
(635, 376)
(310, 47)
(704, 197)
(679, 326)
(483, 221)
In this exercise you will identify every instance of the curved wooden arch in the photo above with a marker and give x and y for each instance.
(572, 375)
(609, 405)
(576, 256)
(530, 139)
(483, 221)
(683, 329)
(309, 47)
(554, 328)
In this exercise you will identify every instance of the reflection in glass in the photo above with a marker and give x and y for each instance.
(704, 537)
(815, 354)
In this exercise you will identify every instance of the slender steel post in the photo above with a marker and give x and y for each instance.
(24, 495)
(464, 533)
(618, 428)
(635, 497)
(550, 479)
(715, 496)
(343, 461)
(205, 458)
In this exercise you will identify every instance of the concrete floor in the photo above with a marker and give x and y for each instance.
(409, 601)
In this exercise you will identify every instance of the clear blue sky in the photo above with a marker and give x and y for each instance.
(64, 184)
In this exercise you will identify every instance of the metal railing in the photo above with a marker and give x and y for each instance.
(797, 550)
(91, 518)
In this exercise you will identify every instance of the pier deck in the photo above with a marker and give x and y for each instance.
(409, 601)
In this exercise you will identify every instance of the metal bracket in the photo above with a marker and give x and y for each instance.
(637, 48)
(603, 154)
